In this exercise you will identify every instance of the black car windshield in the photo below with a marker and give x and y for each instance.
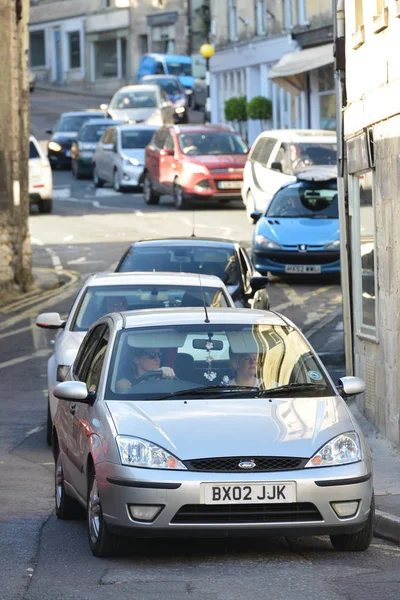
(308, 155)
(73, 122)
(130, 100)
(138, 138)
(171, 86)
(183, 259)
(305, 199)
(255, 357)
(101, 300)
(179, 69)
(202, 144)
(92, 133)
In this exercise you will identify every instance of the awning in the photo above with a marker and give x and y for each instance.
(290, 71)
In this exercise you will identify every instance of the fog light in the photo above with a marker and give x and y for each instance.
(144, 512)
(344, 510)
(201, 186)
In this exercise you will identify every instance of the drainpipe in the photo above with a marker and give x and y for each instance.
(344, 218)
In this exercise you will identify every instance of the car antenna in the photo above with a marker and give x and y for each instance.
(193, 224)
(207, 320)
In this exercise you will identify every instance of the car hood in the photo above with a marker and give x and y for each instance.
(186, 80)
(137, 153)
(237, 427)
(132, 114)
(290, 232)
(220, 161)
(67, 346)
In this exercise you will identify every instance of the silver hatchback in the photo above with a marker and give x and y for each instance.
(208, 422)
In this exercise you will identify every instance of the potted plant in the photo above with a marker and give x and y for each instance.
(260, 108)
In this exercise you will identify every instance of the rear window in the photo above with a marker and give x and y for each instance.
(33, 151)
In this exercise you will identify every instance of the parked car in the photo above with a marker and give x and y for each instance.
(107, 292)
(82, 149)
(200, 454)
(277, 155)
(194, 163)
(147, 104)
(167, 64)
(299, 231)
(119, 156)
(226, 259)
(177, 94)
(65, 133)
(32, 80)
(40, 178)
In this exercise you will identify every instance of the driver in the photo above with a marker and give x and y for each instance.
(245, 369)
(145, 360)
(188, 144)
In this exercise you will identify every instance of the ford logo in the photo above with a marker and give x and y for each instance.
(247, 464)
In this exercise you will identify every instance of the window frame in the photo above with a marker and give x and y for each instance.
(232, 21)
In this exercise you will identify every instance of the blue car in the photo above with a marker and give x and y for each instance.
(299, 231)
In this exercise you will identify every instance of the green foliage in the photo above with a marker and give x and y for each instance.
(259, 108)
(236, 109)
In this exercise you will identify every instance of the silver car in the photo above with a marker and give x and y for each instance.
(141, 104)
(119, 156)
(226, 423)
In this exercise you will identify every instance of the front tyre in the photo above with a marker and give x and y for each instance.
(360, 541)
(149, 195)
(49, 425)
(102, 542)
(179, 197)
(98, 183)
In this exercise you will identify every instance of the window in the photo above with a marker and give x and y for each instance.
(260, 17)
(169, 142)
(33, 151)
(163, 40)
(144, 44)
(74, 41)
(85, 353)
(127, 100)
(326, 94)
(37, 49)
(287, 14)
(232, 20)
(262, 150)
(160, 137)
(132, 139)
(96, 364)
(282, 158)
(365, 268)
(110, 58)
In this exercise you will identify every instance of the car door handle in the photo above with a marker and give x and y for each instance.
(72, 408)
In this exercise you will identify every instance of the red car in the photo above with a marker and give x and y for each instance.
(194, 163)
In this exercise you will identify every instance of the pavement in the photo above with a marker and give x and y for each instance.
(327, 339)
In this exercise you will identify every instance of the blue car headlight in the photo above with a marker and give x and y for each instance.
(265, 242)
(333, 245)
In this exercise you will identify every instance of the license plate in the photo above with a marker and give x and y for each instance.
(229, 185)
(302, 269)
(68, 153)
(242, 493)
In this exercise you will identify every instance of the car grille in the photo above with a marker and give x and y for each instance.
(231, 464)
(296, 512)
(301, 258)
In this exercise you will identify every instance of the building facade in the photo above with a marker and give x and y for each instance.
(371, 127)
(279, 49)
(98, 44)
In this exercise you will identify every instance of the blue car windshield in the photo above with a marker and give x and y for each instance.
(310, 200)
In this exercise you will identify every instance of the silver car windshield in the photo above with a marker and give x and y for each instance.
(127, 100)
(223, 358)
(101, 300)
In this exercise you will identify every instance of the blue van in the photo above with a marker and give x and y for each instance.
(167, 64)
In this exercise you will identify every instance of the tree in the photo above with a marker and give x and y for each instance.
(260, 108)
(236, 111)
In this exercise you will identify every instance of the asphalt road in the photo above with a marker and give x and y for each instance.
(42, 558)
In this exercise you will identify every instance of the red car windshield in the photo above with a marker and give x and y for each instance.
(201, 144)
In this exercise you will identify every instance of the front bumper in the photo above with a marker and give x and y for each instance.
(132, 176)
(61, 158)
(275, 261)
(183, 514)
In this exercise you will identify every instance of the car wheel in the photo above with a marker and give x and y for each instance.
(117, 182)
(45, 206)
(49, 424)
(250, 206)
(149, 195)
(96, 179)
(75, 170)
(179, 197)
(360, 541)
(102, 542)
(66, 507)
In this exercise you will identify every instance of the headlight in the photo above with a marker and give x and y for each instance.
(131, 162)
(265, 242)
(333, 245)
(342, 450)
(55, 147)
(135, 452)
(180, 110)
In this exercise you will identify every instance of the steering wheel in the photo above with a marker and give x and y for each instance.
(149, 375)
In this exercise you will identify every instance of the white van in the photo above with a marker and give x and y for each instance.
(275, 157)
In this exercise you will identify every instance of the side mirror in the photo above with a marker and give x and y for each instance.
(50, 321)
(167, 152)
(108, 147)
(277, 166)
(256, 216)
(350, 386)
(259, 282)
(74, 391)
(49, 131)
(103, 106)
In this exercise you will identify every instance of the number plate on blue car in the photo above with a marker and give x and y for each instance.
(302, 269)
(242, 493)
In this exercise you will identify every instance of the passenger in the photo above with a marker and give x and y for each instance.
(245, 368)
(115, 304)
(144, 360)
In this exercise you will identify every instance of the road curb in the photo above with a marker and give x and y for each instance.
(387, 526)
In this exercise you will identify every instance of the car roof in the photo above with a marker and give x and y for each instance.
(203, 128)
(187, 241)
(170, 57)
(317, 173)
(137, 87)
(301, 135)
(160, 76)
(81, 113)
(196, 316)
(156, 278)
(126, 126)
(97, 121)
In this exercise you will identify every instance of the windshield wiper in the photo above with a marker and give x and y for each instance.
(208, 390)
(295, 387)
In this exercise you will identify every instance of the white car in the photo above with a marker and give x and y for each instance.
(119, 156)
(277, 155)
(114, 292)
(40, 178)
(141, 104)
